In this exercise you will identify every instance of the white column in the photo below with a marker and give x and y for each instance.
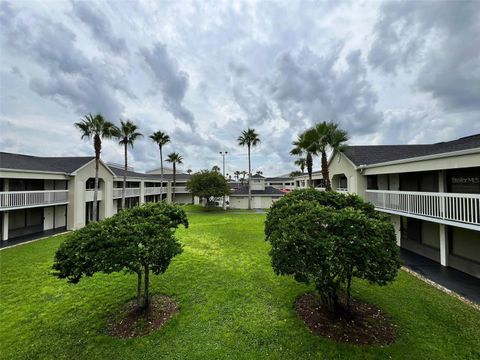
(5, 215)
(444, 245)
(5, 226)
(142, 192)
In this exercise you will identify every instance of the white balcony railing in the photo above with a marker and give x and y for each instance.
(439, 207)
(181, 190)
(154, 190)
(129, 192)
(10, 200)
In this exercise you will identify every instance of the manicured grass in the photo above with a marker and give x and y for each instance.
(202, 209)
(232, 307)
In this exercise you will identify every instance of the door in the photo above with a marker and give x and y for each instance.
(48, 218)
(257, 202)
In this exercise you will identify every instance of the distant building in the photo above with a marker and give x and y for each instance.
(43, 195)
(262, 194)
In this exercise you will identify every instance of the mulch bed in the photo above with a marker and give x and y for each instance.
(133, 322)
(364, 324)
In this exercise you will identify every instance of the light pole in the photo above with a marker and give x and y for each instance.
(224, 153)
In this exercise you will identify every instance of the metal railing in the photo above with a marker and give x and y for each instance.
(464, 208)
(153, 190)
(129, 192)
(24, 199)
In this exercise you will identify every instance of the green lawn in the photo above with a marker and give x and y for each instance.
(232, 307)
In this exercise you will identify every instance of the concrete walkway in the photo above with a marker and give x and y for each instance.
(454, 280)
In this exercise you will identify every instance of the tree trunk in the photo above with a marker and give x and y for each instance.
(124, 177)
(146, 295)
(249, 181)
(174, 182)
(349, 283)
(139, 289)
(310, 169)
(161, 173)
(325, 174)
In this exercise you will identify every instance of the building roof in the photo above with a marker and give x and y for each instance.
(119, 172)
(282, 179)
(257, 176)
(36, 163)
(374, 154)
(269, 190)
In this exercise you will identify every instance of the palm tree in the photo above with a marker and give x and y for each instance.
(305, 145)
(96, 128)
(301, 163)
(244, 173)
(215, 168)
(161, 139)
(127, 134)
(189, 171)
(249, 138)
(174, 158)
(295, 173)
(259, 172)
(237, 174)
(328, 136)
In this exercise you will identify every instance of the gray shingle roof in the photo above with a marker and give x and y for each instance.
(257, 176)
(282, 179)
(374, 154)
(36, 163)
(269, 190)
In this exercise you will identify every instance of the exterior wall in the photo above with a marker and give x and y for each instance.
(238, 202)
(78, 196)
(464, 251)
(183, 198)
(340, 164)
(257, 184)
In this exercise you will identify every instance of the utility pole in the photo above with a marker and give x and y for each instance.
(224, 153)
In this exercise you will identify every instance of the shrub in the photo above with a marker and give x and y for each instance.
(329, 238)
(139, 240)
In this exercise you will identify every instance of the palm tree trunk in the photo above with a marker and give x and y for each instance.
(249, 179)
(161, 173)
(325, 174)
(310, 169)
(124, 177)
(174, 183)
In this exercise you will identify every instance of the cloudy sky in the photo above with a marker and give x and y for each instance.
(388, 72)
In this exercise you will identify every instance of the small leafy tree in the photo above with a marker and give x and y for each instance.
(138, 240)
(209, 185)
(328, 238)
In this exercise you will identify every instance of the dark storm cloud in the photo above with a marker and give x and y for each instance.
(173, 82)
(308, 86)
(99, 25)
(442, 39)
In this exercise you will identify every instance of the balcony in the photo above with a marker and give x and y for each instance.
(154, 190)
(11, 200)
(461, 210)
(181, 190)
(129, 192)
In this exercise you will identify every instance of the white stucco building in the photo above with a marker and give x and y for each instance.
(263, 194)
(432, 193)
(43, 195)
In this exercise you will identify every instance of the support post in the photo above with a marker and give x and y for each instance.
(5, 226)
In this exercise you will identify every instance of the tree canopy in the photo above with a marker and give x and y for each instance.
(328, 238)
(208, 185)
(137, 240)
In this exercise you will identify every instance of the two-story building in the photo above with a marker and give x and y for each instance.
(263, 195)
(431, 191)
(44, 195)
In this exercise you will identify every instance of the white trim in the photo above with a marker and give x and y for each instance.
(421, 158)
(35, 171)
(88, 163)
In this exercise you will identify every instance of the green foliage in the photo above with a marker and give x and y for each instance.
(139, 240)
(208, 184)
(327, 238)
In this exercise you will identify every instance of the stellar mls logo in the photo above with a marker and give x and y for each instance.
(466, 180)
